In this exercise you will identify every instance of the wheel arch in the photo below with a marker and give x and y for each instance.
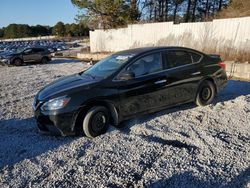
(15, 58)
(84, 109)
(207, 78)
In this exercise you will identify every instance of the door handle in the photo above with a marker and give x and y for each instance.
(196, 73)
(161, 81)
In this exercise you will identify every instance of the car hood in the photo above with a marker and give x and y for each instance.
(66, 84)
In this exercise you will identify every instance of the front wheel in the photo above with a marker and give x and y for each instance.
(18, 62)
(96, 121)
(206, 93)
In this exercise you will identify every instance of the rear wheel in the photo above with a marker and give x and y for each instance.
(206, 93)
(96, 121)
(18, 62)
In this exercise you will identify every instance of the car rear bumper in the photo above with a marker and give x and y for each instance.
(221, 81)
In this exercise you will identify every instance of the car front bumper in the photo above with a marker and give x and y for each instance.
(57, 124)
(5, 61)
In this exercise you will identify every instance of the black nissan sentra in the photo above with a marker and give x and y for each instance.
(125, 85)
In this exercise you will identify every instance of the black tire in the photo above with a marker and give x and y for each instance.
(96, 121)
(18, 62)
(206, 93)
(44, 60)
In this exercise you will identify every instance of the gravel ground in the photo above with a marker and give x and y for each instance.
(185, 146)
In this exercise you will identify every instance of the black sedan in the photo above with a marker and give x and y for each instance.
(127, 84)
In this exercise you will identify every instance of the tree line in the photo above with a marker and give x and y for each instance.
(60, 29)
(116, 13)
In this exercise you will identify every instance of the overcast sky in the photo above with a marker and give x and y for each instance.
(33, 12)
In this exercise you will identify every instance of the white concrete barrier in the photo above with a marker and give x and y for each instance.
(92, 56)
(238, 70)
(222, 35)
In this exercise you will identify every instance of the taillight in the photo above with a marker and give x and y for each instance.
(222, 65)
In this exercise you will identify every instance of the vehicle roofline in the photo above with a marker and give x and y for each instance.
(144, 50)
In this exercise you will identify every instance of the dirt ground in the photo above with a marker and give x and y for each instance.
(185, 146)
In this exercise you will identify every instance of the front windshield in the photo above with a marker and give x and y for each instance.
(19, 50)
(108, 65)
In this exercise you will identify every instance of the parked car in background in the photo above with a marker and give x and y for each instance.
(125, 85)
(20, 56)
(53, 45)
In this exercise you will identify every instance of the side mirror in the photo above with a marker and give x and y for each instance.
(126, 76)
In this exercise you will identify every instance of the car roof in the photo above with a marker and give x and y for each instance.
(138, 51)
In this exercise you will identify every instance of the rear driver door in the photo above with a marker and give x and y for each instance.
(38, 54)
(183, 75)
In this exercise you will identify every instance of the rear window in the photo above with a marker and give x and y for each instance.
(196, 57)
(177, 58)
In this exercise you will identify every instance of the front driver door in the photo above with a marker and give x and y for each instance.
(141, 94)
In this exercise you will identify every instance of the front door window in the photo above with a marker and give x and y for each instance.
(146, 65)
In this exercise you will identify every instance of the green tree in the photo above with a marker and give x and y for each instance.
(188, 11)
(1, 32)
(17, 31)
(177, 3)
(40, 30)
(74, 28)
(59, 29)
(104, 13)
(83, 28)
(236, 8)
(134, 14)
(68, 30)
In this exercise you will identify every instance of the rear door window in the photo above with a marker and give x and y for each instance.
(196, 57)
(177, 58)
(28, 51)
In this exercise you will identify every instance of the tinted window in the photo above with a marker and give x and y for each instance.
(196, 57)
(146, 65)
(27, 51)
(38, 50)
(177, 58)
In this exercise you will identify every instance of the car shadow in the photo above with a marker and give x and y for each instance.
(20, 140)
(234, 89)
(187, 179)
(126, 125)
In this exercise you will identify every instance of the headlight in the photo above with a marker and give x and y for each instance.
(5, 61)
(55, 104)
